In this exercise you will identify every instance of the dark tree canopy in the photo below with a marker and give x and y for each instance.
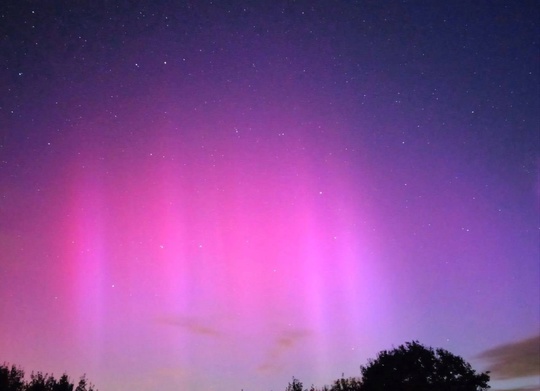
(296, 385)
(415, 367)
(12, 379)
(349, 384)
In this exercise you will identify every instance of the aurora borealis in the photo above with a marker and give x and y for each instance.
(222, 195)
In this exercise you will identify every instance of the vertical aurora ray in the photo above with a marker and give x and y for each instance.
(87, 259)
(243, 241)
(212, 238)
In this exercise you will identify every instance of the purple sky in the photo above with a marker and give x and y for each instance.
(222, 195)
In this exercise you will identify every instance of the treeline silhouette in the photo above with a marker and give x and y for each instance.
(409, 367)
(13, 379)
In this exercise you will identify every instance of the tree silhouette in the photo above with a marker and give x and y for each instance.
(12, 379)
(346, 384)
(84, 385)
(296, 385)
(63, 384)
(415, 367)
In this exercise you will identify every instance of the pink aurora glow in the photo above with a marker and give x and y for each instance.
(254, 248)
(218, 196)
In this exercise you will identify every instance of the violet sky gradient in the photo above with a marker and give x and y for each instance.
(222, 195)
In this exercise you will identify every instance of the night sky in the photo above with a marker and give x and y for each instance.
(217, 195)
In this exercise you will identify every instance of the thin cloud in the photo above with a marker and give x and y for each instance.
(174, 373)
(515, 359)
(192, 325)
(285, 341)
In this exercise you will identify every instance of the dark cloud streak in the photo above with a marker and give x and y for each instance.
(515, 359)
(191, 325)
(285, 341)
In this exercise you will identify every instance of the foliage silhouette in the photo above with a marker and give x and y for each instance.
(414, 367)
(296, 385)
(12, 379)
(349, 384)
(410, 367)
